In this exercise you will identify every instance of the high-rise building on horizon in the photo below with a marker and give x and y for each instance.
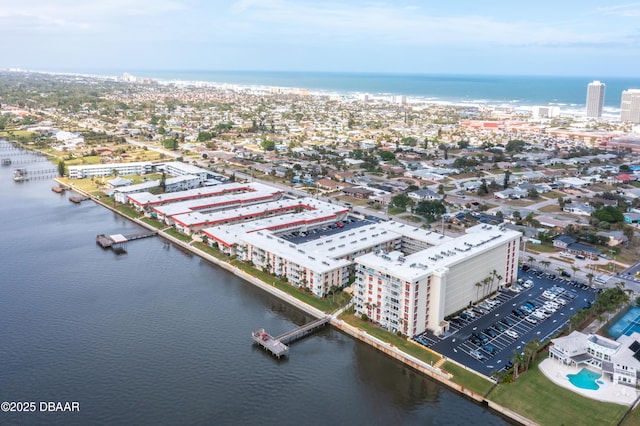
(630, 106)
(595, 99)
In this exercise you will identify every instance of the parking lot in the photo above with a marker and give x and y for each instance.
(349, 223)
(486, 341)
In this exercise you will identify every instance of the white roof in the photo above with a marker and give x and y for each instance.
(197, 217)
(439, 257)
(144, 198)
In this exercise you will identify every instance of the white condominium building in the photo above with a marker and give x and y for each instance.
(122, 169)
(630, 106)
(595, 99)
(412, 293)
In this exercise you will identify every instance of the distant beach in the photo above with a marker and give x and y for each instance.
(568, 93)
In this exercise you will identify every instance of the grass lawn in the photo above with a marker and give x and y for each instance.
(551, 208)
(467, 379)
(127, 210)
(537, 398)
(153, 222)
(328, 304)
(540, 248)
(401, 343)
(176, 234)
(554, 195)
(396, 210)
(633, 418)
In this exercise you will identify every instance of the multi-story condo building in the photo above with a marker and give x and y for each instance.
(414, 292)
(122, 169)
(595, 99)
(630, 106)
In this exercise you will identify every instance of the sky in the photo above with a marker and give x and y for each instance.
(496, 37)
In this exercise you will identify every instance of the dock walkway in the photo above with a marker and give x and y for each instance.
(107, 241)
(278, 345)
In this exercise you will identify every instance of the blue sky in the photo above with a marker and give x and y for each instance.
(566, 37)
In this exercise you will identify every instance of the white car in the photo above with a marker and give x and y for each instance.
(511, 334)
(528, 284)
(539, 314)
(560, 300)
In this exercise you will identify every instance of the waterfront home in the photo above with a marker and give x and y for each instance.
(618, 360)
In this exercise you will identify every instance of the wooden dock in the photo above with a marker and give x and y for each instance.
(278, 345)
(118, 241)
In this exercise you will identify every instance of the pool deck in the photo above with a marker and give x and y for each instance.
(609, 392)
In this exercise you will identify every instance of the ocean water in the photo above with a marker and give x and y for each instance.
(159, 336)
(566, 92)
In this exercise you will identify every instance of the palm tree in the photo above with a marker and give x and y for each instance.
(517, 360)
(531, 260)
(590, 277)
(478, 285)
(560, 270)
(545, 263)
(575, 269)
(485, 283)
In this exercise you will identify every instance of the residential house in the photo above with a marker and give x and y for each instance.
(614, 238)
(580, 209)
(360, 193)
(425, 195)
(617, 360)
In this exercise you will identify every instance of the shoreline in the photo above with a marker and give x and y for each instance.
(567, 107)
(431, 371)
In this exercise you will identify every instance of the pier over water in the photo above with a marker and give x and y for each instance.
(278, 345)
(119, 241)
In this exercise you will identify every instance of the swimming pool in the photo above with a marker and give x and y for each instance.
(626, 325)
(585, 379)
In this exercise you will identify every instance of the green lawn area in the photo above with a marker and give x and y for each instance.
(401, 343)
(467, 379)
(633, 418)
(153, 222)
(551, 208)
(554, 195)
(541, 248)
(537, 398)
(396, 210)
(176, 234)
(130, 212)
(328, 304)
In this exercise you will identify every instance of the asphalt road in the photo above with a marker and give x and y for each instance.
(457, 346)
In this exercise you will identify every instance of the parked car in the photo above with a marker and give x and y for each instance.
(499, 327)
(490, 349)
(530, 319)
(490, 332)
(506, 321)
(511, 334)
(484, 339)
(518, 313)
(478, 355)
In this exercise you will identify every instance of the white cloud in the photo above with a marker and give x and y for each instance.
(630, 10)
(73, 15)
(386, 23)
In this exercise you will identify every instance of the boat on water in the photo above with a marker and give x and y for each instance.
(20, 174)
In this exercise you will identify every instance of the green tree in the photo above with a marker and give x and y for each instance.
(61, 168)
(430, 209)
(401, 201)
(386, 155)
(507, 175)
(609, 214)
(268, 145)
(204, 136)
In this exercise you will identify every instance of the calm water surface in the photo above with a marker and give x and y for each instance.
(159, 336)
